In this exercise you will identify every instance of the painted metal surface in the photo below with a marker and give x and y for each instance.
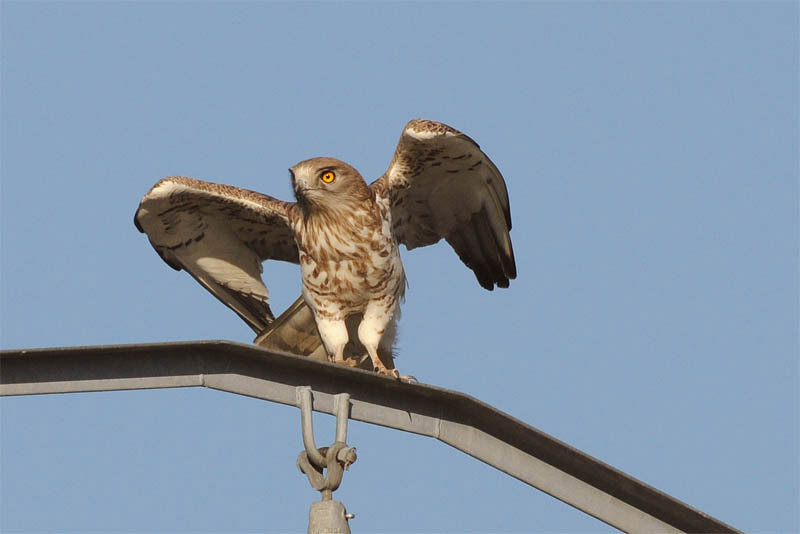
(459, 420)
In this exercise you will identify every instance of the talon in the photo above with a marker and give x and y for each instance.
(346, 362)
(349, 362)
(394, 373)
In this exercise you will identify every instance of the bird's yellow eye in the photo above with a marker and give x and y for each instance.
(328, 177)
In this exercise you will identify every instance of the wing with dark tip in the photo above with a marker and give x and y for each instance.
(442, 185)
(220, 235)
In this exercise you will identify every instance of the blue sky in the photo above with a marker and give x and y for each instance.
(651, 155)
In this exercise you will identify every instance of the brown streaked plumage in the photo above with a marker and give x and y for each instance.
(345, 236)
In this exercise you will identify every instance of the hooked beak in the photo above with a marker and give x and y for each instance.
(297, 185)
(300, 186)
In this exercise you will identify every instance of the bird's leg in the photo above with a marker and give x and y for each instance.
(378, 365)
(369, 333)
(334, 337)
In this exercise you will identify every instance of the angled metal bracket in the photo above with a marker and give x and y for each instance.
(458, 420)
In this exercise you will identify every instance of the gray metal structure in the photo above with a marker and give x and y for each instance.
(326, 516)
(459, 420)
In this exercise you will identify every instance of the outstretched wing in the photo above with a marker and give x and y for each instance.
(441, 185)
(220, 235)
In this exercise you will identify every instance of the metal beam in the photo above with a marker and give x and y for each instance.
(457, 419)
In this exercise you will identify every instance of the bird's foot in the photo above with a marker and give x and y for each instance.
(394, 373)
(349, 362)
(383, 370)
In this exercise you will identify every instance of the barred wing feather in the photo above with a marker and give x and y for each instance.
(442, 185)
(220, 235)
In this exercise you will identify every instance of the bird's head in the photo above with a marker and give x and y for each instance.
(326, 182)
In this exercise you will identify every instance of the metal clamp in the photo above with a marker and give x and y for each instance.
(334, 460)
(326, 516)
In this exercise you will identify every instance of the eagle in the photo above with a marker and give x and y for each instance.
(345, 235)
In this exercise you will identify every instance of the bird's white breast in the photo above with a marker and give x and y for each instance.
(347, 264)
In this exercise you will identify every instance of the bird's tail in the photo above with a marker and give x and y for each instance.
(295, 332)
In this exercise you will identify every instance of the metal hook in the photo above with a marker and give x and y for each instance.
(341, 405)
(335, 458)
(303, 394)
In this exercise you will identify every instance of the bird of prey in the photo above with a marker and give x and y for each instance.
(344, 233)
